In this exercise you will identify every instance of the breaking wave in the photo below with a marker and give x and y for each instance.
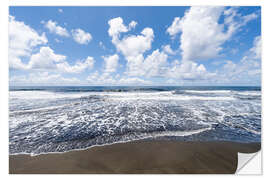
(54, 120)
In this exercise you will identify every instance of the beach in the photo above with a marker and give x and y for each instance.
(104, 90)
(136, 157)
(132, 129)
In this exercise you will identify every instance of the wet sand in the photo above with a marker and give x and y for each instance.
(151, 157)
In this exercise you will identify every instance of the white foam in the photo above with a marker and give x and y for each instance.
(180, 133)
(128, 111)
(249, 93)
(139, 137)
(135, 94)
(249, 130)
(171, 97)
(208, 91)
(32, 95)
(41, 109)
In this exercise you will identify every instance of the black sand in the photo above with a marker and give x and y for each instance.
(138, 157)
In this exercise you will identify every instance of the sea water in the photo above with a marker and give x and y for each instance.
(59, 119)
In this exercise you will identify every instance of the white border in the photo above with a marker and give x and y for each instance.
(134, 2)
(4, 74)
(4, 86)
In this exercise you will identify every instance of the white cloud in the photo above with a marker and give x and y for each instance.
(42, 78)
(155, 64)
(188, 70)
(176, 27)
(93, 77)
(202, 37)
(249, 17)
(22, 40)
(107, 79)
(45, 59)
(111, 63)
(257, 47)
(60, 10)
(202, 34)
(57, 40)
(131, 46)
(247, 70)
(78, 67)
(116, 27)
(16, 63)
(101, 79)
(173, 82)
(134, 65)
(81, 36)
(101, 45)
(229, 66)
(167, 49)
(132, 25)
(54, 28)
(133, 81)
(235, 20)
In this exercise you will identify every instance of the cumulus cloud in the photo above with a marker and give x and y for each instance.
(256, 49)
(155, 64)
(247, 70)
(105, 78)
(40, 78)
(97, 78)
(235, 20)
(202, 34)
(47, 60)
(167, 49)
(175, 27)
(22, 40)
(116, 27)
(249, 17)
(54, 28)
(78, 67)
(132, 46)
(81, 36)
(133, 81)
(111, 63)
(132, 25)
(188, 70)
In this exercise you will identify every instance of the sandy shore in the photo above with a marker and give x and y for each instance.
(138, 157)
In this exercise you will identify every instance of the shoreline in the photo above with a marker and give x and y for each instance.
(136, 157)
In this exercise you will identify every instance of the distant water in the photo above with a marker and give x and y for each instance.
(59, 119)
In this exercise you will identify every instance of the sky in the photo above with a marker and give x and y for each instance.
(135, 46)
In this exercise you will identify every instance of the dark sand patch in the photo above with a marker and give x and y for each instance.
(138, 157)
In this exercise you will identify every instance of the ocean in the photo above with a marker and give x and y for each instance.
(59, 119)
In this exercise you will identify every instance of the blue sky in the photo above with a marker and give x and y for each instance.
(135, 46)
